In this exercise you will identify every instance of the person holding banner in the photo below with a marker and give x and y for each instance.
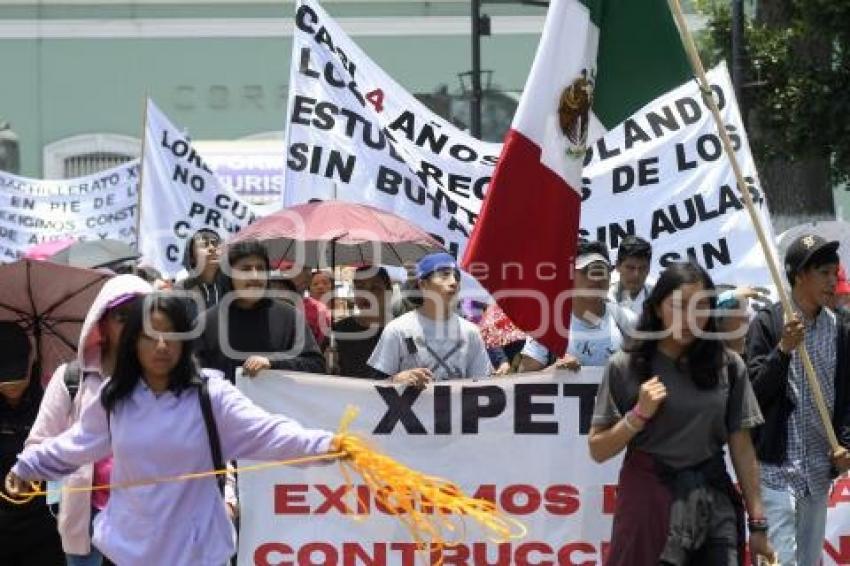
(160, 417)
(71, 389)
(797, 467)
(252, 331)
(431, 343)
(598, 326)
(673, 399)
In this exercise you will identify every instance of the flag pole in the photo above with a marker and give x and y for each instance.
(141, 174)
(708, 97)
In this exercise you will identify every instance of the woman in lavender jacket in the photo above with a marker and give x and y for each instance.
(148, 418)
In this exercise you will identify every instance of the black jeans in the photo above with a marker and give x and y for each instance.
(31, 540)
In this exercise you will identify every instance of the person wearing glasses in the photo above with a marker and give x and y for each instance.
(71, 389)
(201, 262)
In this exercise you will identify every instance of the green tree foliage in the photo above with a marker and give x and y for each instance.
(797, 68)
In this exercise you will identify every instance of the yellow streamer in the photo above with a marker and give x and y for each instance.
(430, 507)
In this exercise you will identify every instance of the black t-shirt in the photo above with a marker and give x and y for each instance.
(15, 425)
(268, 327)
(355, 344)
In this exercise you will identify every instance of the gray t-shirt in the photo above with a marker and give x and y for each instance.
(692, 423)
(450, 348)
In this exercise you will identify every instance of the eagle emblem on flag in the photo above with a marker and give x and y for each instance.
(574, 112)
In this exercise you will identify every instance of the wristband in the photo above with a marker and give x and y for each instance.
(757, 525)
(636, 412)
(629, 425)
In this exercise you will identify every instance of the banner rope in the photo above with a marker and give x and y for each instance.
(431, 508)
(36, 490)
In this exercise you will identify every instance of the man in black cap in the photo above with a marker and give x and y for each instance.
(797, 466)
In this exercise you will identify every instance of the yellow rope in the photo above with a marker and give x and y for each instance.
(430, 507)
(24, 498)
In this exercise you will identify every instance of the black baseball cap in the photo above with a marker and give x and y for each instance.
(803, 249)
(14, 352)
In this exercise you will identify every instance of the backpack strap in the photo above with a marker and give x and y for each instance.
(72, 377)
(212, 430)
(731, 379)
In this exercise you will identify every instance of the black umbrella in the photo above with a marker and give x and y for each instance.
(95, 253)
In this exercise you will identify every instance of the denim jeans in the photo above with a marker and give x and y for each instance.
(796, 525)
(93, 558)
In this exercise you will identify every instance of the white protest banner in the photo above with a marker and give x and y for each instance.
(98, 206)
(520, 442)
(180, 195)
(662, 174)
(354, 134)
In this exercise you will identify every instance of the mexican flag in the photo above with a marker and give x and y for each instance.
(598, 62)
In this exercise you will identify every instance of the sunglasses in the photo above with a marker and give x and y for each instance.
(208, 242)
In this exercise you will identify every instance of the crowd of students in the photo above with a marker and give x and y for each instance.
(689, 369)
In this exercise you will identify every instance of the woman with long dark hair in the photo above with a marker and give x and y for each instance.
(673, 399)
(73, 387)
(149, 417)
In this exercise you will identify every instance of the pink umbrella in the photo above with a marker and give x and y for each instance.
(330, 233)
(46, 250)
(49, 302)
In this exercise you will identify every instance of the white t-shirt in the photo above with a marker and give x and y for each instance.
(592, 345)
(621, 297)
(450, 348)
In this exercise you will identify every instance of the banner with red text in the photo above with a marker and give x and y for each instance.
(518, 441)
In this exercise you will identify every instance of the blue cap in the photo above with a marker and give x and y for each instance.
(434, 262)
(728, 300)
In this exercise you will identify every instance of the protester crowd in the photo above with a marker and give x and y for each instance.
(691, 367)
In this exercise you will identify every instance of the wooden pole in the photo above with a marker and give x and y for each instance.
(141, 173)
(705, 87)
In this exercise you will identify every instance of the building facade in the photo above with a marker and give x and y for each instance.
(76, 72)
